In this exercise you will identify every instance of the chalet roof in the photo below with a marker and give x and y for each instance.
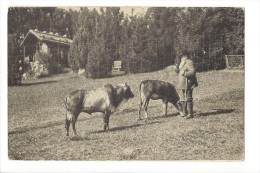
(51, 37)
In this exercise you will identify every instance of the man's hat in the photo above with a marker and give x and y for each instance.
(184, 52)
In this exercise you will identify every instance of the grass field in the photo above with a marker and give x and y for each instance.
(36, 122)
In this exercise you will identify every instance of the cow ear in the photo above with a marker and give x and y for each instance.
(125, 83)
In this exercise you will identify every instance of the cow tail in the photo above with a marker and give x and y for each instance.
(140, 91)
(66, 106)
(67, 122)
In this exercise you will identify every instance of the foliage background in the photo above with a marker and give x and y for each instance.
(144, 43)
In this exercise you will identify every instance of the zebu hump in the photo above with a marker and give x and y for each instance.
(74, 99)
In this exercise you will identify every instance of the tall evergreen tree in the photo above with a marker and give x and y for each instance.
(143, 42)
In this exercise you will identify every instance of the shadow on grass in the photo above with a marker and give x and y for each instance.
(116, 129)
(137, 124)
(48, 125)
(202, 114)
(163, 116)
(39, 83)
(215, 112)
(128, 110)
(80, 138)
(124, 127)
(172, 115)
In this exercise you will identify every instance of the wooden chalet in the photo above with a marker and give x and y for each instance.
(42, 41)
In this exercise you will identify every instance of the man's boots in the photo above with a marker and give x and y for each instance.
(183, 112)
(190, 109)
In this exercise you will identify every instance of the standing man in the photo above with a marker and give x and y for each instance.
(187, 81)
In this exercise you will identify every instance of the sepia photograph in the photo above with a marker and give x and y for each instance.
(126, 83)
(84, 77)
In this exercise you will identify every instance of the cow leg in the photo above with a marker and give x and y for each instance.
(106, 120)
(68, 120)
(165, 106)
(145, 108)
(143, 100)
(140, 107)
(67, 126)
(139, 112)
(74, 119)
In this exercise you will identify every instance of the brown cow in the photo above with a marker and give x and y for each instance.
(103, 100)
(156, 89)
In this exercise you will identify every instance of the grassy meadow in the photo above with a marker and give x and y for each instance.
(36, 117)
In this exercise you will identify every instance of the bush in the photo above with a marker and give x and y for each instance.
(46, 60)
(42, 67)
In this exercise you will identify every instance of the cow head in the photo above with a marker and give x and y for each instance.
(127, 91)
